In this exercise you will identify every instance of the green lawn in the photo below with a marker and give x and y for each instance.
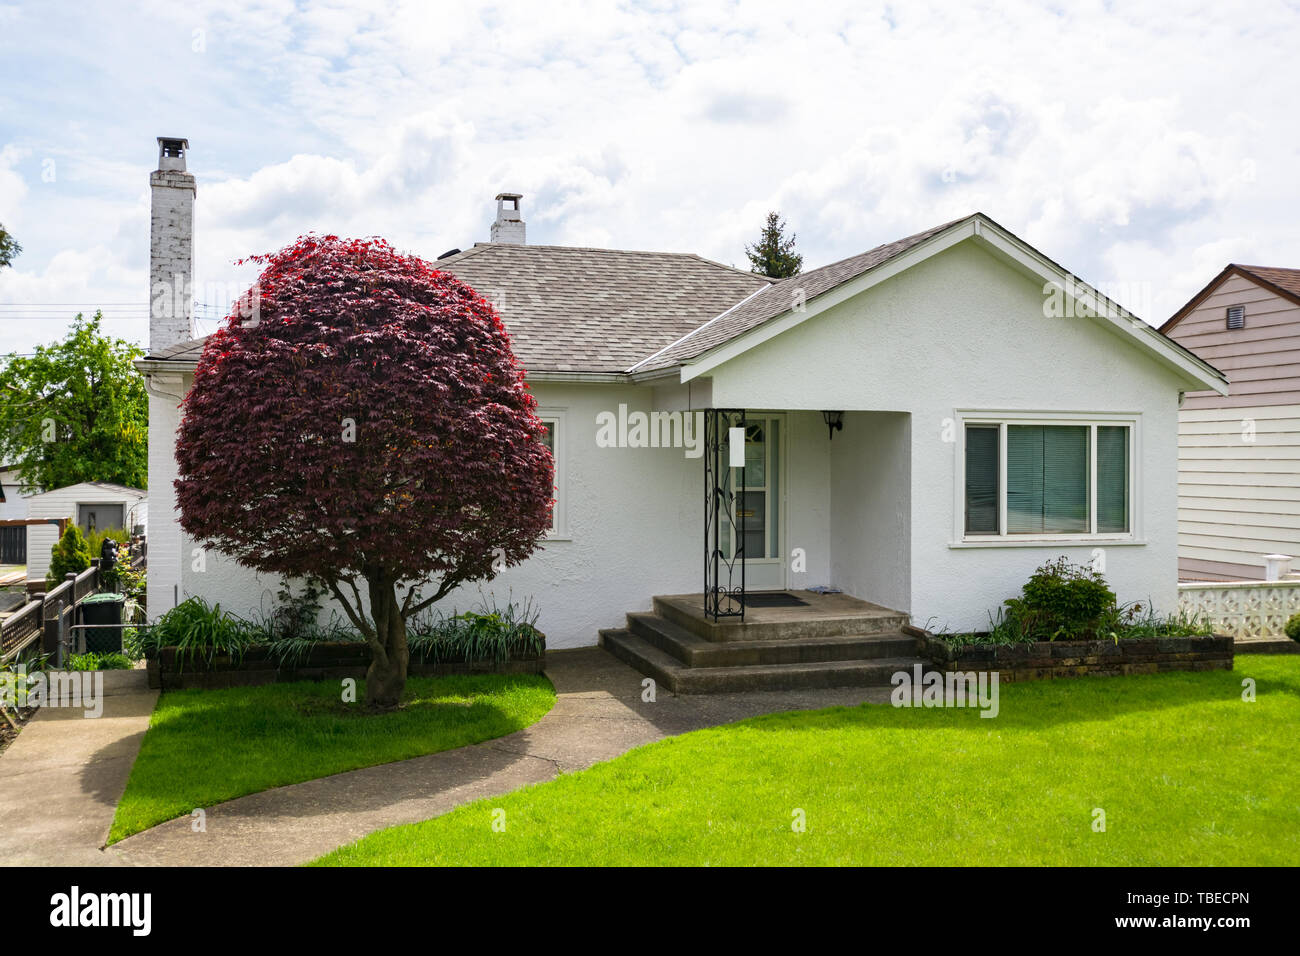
(1186, 772)
(206, 746)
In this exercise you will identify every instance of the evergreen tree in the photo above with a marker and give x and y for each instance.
(773, 255)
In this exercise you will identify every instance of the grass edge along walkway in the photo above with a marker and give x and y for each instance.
(1184, 770)
(204, 747)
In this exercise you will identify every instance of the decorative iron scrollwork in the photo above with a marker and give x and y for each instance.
(724, 552)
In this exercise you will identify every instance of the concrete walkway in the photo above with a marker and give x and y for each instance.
(61, 779)
(598, 716)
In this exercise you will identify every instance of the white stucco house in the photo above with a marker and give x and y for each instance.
(924, 424)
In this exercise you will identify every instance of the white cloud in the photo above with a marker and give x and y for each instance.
(1117, 140)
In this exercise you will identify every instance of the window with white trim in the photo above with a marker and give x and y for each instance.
(1047, 478)
(554, 440)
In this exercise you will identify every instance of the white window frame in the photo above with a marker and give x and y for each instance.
(1002, 418)
(560, 515)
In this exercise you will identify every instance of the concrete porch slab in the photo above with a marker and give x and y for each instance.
(824, 615)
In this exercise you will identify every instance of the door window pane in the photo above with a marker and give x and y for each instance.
(774, 482)
(752, 521)
(755, 456)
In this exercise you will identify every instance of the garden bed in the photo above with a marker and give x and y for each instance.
(1040, 660)
(169, 669)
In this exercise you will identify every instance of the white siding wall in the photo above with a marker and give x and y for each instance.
(14, 507)
(964, 331)
(1238, 499)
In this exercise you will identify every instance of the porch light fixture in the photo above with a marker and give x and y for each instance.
(834, 422)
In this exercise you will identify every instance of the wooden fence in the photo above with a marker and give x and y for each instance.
(43, 622)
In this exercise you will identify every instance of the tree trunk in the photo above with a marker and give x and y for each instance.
(386, 676)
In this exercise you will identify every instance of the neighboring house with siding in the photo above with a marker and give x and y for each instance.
(89, 504)
(979, 437)
(1239, 454)
(13, 507)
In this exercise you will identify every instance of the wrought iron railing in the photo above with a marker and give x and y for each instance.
(724, 558)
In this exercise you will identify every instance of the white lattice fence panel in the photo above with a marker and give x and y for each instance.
(1243, 609)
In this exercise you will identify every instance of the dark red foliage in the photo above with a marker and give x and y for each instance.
(447, 471)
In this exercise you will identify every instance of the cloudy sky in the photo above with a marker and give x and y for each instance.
(1144, 146)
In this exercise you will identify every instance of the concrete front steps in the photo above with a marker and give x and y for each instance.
(689, 654)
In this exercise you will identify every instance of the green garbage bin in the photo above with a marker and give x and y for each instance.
(103, 609)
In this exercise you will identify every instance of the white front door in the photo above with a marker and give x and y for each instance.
(760, 517)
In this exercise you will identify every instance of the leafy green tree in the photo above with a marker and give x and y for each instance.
(75, 411)
(9, 248)
(773, 255)
(70, 554)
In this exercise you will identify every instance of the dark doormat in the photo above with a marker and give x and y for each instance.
(773, 599)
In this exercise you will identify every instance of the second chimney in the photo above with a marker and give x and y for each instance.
(171, 247)
(509, 227)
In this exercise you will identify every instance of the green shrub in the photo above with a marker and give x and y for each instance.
(1292, 627)
(93, 661)
(1061, 600)
(121, 576)
(95, 538)
(199, 631)
(70, 554)
(1072, 602)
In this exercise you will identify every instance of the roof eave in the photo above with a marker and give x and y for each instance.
(147, 365)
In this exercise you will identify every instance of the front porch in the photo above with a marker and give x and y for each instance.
(797, 498)
(828, 640)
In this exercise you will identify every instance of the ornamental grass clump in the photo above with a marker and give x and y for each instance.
(492, 632)
(200, 632)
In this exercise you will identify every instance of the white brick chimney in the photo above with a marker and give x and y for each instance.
(171, 247)
(509, 227)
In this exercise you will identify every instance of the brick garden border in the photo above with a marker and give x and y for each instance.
(325, 661)
(1048, 659)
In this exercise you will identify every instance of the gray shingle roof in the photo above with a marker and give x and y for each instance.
(780, 297)
(573, 309)
(597, 310)
(570, 309)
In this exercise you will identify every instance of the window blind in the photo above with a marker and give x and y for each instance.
(981, 479)
(1047, 479)
(1112, 478)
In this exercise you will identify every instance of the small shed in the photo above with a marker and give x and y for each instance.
(91, 505)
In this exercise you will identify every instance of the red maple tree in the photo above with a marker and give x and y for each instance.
(370, 428)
